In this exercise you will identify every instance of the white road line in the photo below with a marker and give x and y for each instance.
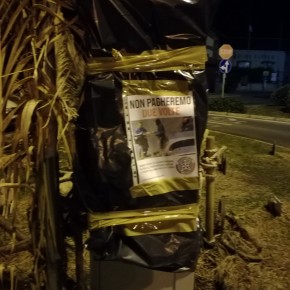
(219, 123)
(233, 121)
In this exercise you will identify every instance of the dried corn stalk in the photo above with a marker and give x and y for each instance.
(41, 79)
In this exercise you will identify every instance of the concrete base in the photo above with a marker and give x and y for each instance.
(120, 276)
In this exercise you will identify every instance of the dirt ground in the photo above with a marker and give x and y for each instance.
(252, 246)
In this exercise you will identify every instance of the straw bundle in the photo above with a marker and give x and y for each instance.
(41, 79)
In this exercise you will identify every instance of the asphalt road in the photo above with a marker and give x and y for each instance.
(271, 131)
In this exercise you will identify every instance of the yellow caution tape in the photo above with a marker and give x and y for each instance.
(165, 185)
(186, 58)
(155, 87)
(159, 220)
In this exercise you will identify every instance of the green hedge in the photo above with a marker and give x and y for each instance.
(281, 96)
(227, 104)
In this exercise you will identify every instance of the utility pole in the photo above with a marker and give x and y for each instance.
(250, 27)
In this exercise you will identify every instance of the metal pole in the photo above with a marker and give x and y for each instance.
(223, 85)
(210, 189)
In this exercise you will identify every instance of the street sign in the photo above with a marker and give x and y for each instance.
(225, 66)
(226, 51)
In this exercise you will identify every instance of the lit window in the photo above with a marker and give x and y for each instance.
(244, 64)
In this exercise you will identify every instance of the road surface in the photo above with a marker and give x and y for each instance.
(271, 131)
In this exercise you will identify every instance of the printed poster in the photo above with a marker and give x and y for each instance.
(161, 132)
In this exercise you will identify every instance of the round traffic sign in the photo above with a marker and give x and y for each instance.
(225, 66)
(226, 51)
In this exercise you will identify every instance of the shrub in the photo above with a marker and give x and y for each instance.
(287, 106)
(228, 104)
(281, 96)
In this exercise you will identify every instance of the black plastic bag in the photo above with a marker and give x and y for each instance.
(158, 46)
(141, 25)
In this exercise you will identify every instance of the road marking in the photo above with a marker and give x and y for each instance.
(231, 120)
(219, 123)
(237, 121)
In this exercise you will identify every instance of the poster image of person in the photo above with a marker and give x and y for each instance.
(187, 124)
(140, 136)
(160, 133)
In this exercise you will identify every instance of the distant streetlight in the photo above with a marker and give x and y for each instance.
(250, 30)
(250, 27)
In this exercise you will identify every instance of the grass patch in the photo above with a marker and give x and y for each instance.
(253, 176)
(267, 110)
(253, 164)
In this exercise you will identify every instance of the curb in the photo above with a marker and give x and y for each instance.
(249, 116)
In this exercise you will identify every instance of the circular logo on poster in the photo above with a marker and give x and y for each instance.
(185, 165)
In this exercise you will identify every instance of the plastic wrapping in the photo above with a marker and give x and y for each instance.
(136, 26)
(108, 177)
(147, 70)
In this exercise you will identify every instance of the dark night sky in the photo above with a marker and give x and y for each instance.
(269, 20)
